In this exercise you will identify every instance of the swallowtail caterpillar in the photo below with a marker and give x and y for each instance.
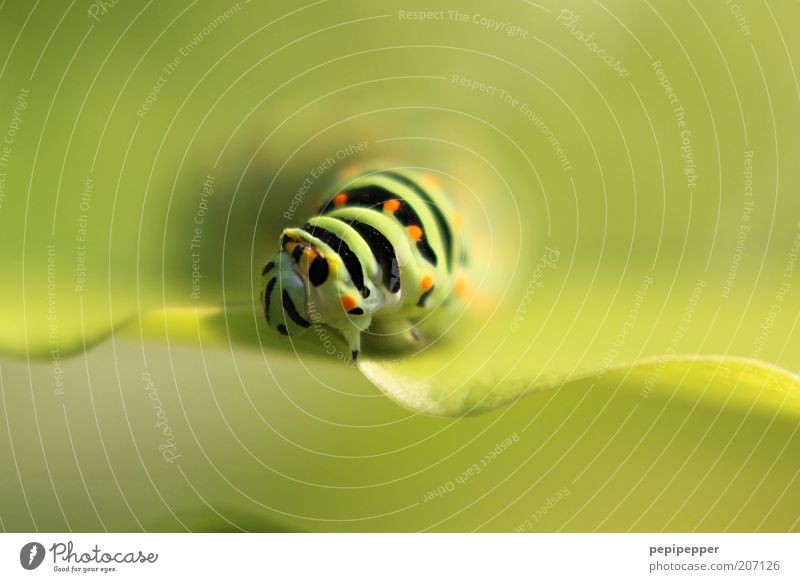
(379, 256)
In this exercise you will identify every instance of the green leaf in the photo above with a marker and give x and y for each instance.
(279, 441)
(442, 394)
(458, 383)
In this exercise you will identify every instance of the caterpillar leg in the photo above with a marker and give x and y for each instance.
(353, 338)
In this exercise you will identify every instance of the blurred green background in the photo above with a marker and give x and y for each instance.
(653, 145)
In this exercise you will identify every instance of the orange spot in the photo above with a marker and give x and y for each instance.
(349, 302)
(426, 282)
(460, 285)
(340, 199)
(391, 205)
(431, 181)
(415, 232)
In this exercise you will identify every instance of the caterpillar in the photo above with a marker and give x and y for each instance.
(379, 255)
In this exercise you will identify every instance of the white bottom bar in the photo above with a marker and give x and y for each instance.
(406, 557)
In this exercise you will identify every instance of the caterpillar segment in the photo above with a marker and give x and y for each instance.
(380, 255)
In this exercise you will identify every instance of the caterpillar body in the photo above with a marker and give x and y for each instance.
(380, 255)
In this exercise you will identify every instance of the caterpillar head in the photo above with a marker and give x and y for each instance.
(306, 283)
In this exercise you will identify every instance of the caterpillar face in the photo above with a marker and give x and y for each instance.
(380, 250)
(306, 284)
